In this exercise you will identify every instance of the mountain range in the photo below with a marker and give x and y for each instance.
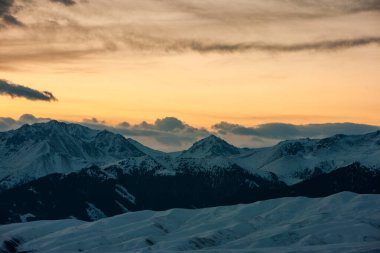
(57, 170)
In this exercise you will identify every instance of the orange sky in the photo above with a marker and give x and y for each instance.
(112, 79)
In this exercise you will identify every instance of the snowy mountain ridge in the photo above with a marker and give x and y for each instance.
(209, 147)
(33, 151)
(293, 160)
(40, 149)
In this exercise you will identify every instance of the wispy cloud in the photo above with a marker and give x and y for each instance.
(70, 29)
(16, 90)
(327, 45)
(242, 13)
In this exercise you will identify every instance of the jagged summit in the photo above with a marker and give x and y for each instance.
(210, 146)
(72, 139)
(46, 129)
(57, 147)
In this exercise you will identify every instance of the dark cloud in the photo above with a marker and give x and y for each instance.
(65, 2)
(5, 13)
(16, 90)
(282, 131)
(93, 121)
(124, 124)
(11, 20)
(327, 45)
(169, 124)
(8, 18)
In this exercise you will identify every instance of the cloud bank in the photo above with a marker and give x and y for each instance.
(274, 132)
(16, 90)
(172, 134)
(7, 123)
(168, 133)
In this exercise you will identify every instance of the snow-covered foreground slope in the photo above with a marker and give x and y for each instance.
(345, 222)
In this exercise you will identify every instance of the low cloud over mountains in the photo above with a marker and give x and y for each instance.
(172, 134)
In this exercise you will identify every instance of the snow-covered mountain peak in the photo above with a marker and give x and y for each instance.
(212, 137)
(292, 160)
(340, 141)
(116, 144)
(40, 149)
(40, 131)
(210, 146)
(290, 148)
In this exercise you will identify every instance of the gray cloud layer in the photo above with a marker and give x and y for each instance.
(282, 131)
(172, 134)
(345, 6)
(208, 18)
(7, 123)
(65, 2)
(71, 29)
(169, 131)
(327, 45)
(16, 90)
